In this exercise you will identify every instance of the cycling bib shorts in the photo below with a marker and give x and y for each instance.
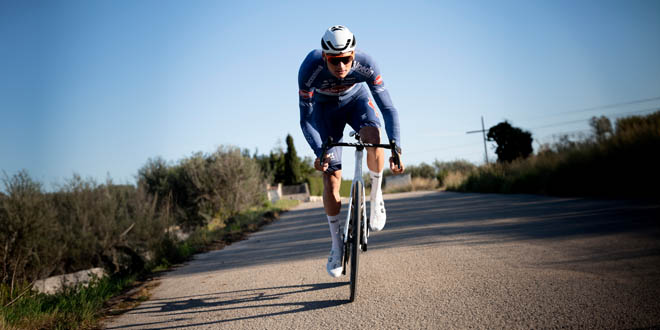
(331, 118)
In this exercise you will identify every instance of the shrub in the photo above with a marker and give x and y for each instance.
(31, 247)
(422, 170)
(449, 173)
(453, 180)
(225, 182)
(607, 165)
(80, 226)
(202, 187)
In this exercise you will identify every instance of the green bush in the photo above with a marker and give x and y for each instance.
(422, 170)
(205, 186)
(29, 232)
(315, 183)
(80, 226)
(79, 308)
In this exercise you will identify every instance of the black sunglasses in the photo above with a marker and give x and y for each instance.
(340, 59)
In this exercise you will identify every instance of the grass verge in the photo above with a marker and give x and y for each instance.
(84, 307)
(316, 186)
(416, 184)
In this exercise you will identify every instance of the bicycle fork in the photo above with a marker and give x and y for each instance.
(365, 223)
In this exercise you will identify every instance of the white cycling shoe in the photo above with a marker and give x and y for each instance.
(378, 214)
(335, 266)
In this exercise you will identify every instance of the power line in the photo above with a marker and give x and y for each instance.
(600, 107)
(637, 111)
(580, 131)
(582, 120)
(483, 130)
(613, 105)
(561, 123)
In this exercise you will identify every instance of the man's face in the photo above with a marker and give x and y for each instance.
(339, 65)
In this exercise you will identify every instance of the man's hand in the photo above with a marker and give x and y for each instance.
(396, 169)
(322, 167)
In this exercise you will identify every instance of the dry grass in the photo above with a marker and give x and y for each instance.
(421, 184)
(455, 179)
(417, 184)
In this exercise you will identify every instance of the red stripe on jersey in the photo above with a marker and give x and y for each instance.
(305, 94)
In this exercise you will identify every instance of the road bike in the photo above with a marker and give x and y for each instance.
(356, 228)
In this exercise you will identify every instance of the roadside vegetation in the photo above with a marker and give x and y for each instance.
(425, 177)
(204, 201)
(612, 162)
(174, 211)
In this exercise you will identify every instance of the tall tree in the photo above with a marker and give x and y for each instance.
(292, 166)
(512, 142)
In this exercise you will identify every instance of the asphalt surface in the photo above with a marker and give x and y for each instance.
(444, 260)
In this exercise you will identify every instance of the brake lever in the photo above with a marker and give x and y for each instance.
(395, 154)
(325, 147)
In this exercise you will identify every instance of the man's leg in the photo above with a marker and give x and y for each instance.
(331, 198)
(332, 205)
(375, 163)
(375, 156)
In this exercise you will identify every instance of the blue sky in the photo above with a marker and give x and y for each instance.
(98, 87)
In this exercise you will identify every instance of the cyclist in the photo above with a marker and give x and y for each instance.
(332, 93)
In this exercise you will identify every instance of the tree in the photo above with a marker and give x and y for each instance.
(285, 167)
(292, 166)
(512, 142)
(601, 128)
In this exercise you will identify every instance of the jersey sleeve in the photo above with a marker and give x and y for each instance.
(305, 96)
(384, 102)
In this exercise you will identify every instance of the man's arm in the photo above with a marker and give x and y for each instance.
(305, 97)
(384, 102)
(390, 114)
(307, 122)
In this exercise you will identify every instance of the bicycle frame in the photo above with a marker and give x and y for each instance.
(360, 230)
(357, 177)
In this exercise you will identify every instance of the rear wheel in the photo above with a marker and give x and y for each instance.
(354, 236)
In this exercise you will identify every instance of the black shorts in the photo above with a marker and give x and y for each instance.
(331, 118)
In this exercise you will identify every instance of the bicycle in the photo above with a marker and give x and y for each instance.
(356, 227)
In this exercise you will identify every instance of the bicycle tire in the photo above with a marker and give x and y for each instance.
(356, 220)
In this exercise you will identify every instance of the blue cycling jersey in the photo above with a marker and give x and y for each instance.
(317, 84)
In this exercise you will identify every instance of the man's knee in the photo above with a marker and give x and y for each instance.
(370, 134)
(332, 180)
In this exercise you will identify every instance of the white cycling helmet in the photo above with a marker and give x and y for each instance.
(338, 39)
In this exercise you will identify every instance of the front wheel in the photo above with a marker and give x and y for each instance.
(354, 236)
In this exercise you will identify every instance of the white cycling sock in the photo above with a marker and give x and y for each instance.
(333, 221)
(376, 181)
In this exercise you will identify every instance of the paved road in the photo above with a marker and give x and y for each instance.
(444, 260)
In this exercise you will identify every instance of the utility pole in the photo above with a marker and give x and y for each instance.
(483, 132)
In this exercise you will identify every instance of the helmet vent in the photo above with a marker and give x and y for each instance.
(331, 41)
